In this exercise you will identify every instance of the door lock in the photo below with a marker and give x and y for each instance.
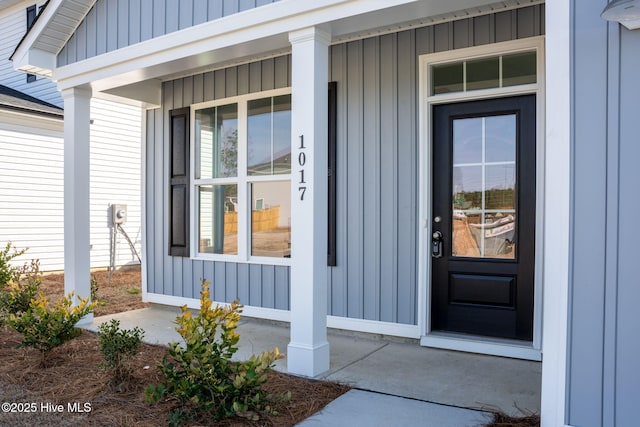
(436, 244)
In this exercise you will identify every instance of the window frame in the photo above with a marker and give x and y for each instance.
(243, 181)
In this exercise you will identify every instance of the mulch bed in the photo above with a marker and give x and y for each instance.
(71, 375)
(500, 419)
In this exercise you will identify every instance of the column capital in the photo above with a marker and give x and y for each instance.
(319, 33)
(78, 91)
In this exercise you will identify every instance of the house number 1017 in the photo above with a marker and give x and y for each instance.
(302, 160)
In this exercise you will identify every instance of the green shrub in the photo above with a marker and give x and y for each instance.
(117, 347)
(9, 273)
(44, 327)
(16, 295)
(202, 376)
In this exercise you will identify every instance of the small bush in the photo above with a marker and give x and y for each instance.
(44, 327)
(9, 273)
(95, 296)
(117, 346)
(16, 295)
(202, 376)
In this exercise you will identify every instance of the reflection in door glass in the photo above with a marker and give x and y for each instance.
(484, 184)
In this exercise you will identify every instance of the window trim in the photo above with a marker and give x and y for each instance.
(243, 180)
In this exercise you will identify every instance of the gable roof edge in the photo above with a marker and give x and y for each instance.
(37, 51)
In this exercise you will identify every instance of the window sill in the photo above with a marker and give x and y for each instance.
(237, 260)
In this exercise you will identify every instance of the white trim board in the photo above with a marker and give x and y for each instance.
(559, 122)
(425, 180)
(502, 348)
(357, 325)
(194, 303)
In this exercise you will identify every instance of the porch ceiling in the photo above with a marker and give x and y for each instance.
(136, 71)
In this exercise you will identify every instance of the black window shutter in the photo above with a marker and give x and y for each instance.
(31, 17)
(179, 183)
(332, 191)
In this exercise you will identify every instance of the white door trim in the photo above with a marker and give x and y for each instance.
(489, 346)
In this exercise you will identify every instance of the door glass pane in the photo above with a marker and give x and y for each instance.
(500, 135)
(271, 219)
(468, 146)
(216, 135)
(484, 184)
(218, 225)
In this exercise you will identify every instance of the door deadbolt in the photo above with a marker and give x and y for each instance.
(436, 244)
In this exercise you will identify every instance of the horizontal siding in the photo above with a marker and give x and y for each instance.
(31, 195)
(114, 24)
(32, 190)
(376, 276)
(116, 134)
(253, 284)
(13, 22)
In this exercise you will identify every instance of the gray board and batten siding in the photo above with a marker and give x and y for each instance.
(114, 24)
(376, 276)
(604, 293)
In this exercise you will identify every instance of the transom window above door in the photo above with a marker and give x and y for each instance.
(242, 177)
(489, 72)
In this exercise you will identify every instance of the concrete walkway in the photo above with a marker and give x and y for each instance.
(397, 382)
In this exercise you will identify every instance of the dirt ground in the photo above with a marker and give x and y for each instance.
(72, 378)
(117, 292)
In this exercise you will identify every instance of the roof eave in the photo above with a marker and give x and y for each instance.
(33, 54)
(34, 61)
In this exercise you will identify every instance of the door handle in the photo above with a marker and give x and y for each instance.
(436, 244)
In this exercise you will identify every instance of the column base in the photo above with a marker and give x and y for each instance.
(86, 320)
(309, 361)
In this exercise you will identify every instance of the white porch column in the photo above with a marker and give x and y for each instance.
(76, 193)
(308, 351)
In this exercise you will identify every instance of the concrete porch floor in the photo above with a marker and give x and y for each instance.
(379, 364)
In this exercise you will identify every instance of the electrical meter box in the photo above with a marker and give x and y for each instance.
(118, 214)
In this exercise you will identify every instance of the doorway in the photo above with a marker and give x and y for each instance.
(483, 217)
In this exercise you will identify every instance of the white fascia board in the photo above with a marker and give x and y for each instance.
(35, 61)
(272, 23)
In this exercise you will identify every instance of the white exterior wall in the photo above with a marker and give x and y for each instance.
(31, 177)
(13, 24)
(116, 133)
(31, 166)
(31, 191)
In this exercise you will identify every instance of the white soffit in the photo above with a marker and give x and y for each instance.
(261, 32)
(36, 53)
(66, 17)
(430, 13)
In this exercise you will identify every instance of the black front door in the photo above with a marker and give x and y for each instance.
(484, 165)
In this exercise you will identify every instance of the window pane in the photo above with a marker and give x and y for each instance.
(218, 228)
(269, 136)
(271, 219)
(519, 69)
(483, 73)
(216, 135)
(447, 78)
